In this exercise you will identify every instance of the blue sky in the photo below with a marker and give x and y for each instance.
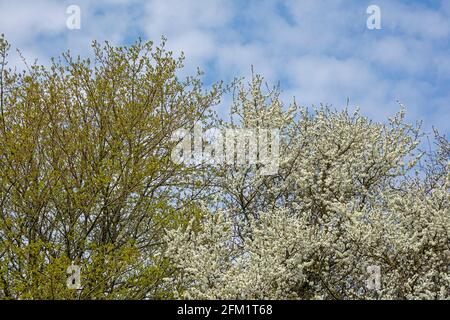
(319, 51)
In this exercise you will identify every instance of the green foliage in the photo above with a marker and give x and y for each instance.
(86, 175)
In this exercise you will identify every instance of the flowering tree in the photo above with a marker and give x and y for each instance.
(345, 198)
(87, 177)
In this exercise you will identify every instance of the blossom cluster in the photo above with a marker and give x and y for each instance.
(347, 195)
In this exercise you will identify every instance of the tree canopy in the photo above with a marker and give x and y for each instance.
(87, 178)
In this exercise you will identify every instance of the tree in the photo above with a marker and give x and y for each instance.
(85, 171)
(87, 177)
(348, 195)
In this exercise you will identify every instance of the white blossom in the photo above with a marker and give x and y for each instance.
(344, 198)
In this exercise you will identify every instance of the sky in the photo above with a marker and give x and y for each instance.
(320, 52)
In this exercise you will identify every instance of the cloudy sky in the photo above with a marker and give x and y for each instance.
(318, 51)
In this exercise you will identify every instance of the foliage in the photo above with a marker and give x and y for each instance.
(349, 194)
(86, 177)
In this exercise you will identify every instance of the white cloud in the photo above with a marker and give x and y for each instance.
(415, 19)
(320, 51)
(23, 21)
